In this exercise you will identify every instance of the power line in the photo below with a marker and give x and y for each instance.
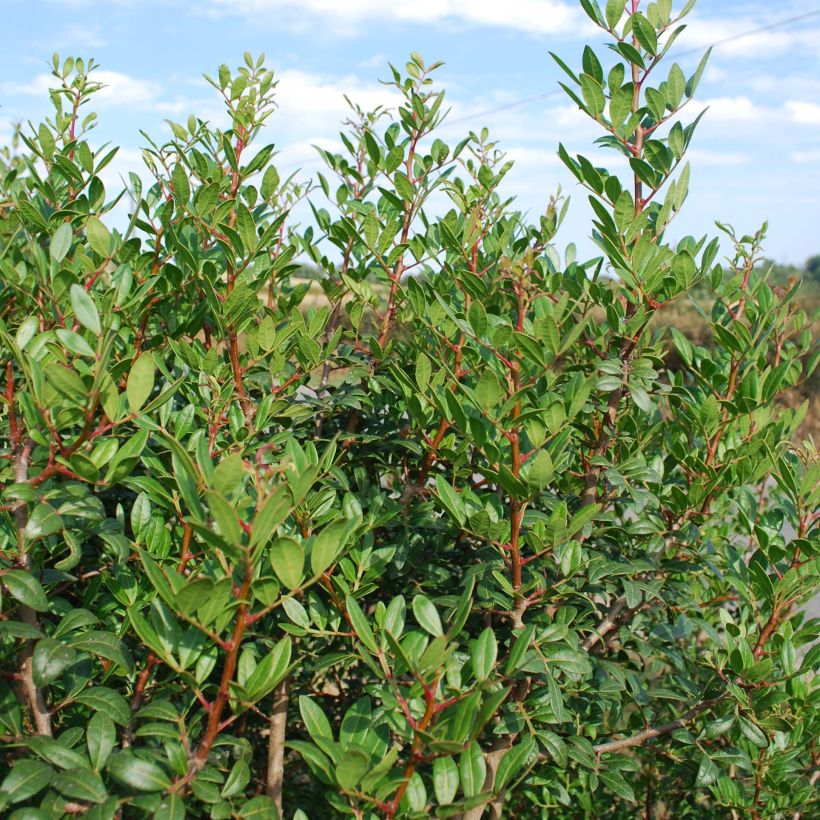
(768, 27)
(506, 106)
(546, 94)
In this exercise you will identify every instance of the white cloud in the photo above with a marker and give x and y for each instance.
(115, 175)
(119, 88)
(732, 109)
(313, 94)
(302, 154)
(82, 37)
(806, 157)
(82, 4)
(798, 85)
(298, 91)
(805, 113)
(536, 16)
(742, 109)
(702, 32)
(123, 89)
(720, 159)
(376, 61)
(533, 157)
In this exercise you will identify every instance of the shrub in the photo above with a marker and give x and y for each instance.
(449, 539)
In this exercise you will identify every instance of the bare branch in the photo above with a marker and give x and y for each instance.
(607, 625)
(657, 731)
(276, 744)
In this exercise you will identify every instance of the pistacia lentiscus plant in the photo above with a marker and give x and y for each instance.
(435, 533)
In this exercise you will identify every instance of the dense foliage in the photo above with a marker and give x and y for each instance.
(451, 540)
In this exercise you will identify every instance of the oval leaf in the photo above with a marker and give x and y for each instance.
(84, 309)
(140, 382)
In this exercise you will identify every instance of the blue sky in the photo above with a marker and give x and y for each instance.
(756, 155)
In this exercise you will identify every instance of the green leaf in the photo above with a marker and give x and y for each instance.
(287, 558)
(427, 615)
(719, 726)
(75, 343)
(708, 772)
(519, 648)
(179, 180)
(61, 242)
(614, 12)
(485, 653)
(75, 619)
(645, 33)
(172, 808)
(27, 330)
(445, 780)
(186, 477)
(140, 382)
(56, 753)
(274, 511)
(85, 310)
(451, 500)
(43, 521)
(228, 475)
(513, 762)
(616, 782)
(676, 85)
(105, 645)
(137, 773)
(489, 391)
(237, 780)
(49, 660)
(360, 624)
(753, 732)
(225, 518)
(472, 770)
(108, 701)
(540, 471)
(352, 767)
(101, 737)
(582, 518)
(270, 182)
(194, 594)
(329, 544)
(694, 80)
(157, 577)
(416, 794)
(371, 146)
(640, 397)
(593, 95)
(316, 723)
(462, 611)
(296, 613)
(555, 746)
(81, 785)
(644, 172)
(26, 589)
(17, 629)
(259, 808)
(403, 187)
(270, 671)
(25, 779)
(98, 236)
(67, 382)
(592, 10)
(423, 371)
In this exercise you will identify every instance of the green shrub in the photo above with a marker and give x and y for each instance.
(449, 539)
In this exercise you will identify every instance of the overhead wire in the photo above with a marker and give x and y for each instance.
(717, 44)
